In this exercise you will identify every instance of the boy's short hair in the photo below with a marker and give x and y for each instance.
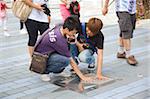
(72, 23)
(94, 25)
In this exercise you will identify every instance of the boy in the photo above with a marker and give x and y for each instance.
(92, 40)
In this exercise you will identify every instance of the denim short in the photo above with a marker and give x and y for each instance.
(87, 56)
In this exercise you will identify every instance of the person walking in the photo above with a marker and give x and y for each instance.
(126, 13)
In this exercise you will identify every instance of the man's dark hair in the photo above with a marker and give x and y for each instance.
(72, 23)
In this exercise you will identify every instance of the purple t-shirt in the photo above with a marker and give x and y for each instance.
(54, 41)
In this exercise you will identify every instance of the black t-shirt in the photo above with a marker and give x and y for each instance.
(97, 40)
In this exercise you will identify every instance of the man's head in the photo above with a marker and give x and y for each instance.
(71, 26)
(94, 25)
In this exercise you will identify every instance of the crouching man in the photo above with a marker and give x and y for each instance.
(55, 42)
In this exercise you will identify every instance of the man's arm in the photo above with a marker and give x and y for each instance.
(64, 1)
(105, 8)
(78, 72)
(99, 64)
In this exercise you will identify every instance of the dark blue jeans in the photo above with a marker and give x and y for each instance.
(56, 63)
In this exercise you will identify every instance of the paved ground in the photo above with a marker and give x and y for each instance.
(17, 82)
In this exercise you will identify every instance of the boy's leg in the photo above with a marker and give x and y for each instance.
(57, 63)
(86, 56)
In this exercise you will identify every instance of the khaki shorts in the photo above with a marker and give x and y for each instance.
(127, 24)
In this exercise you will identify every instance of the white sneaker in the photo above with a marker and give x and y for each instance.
(91, 67)
(6, 34)
(45, 77)
(23, 31)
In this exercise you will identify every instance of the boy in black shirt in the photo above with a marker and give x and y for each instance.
(94, 41)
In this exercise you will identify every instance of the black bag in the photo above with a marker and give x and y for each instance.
(38, 63)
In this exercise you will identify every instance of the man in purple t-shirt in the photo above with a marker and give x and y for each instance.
(55, 43)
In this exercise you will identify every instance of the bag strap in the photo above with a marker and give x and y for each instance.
(111, 3)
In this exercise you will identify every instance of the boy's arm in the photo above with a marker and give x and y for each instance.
(78, 72)
(105, 8)
(99, 64)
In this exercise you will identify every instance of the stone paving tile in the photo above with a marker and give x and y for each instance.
(3, 94)
(141, 95)
(17, 90)
(64, 95)
(15, 96)
(48, 91)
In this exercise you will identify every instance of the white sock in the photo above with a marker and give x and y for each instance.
(121, 49)
(127, 53)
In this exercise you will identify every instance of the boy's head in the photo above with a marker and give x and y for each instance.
(94, 25)
(71, 26)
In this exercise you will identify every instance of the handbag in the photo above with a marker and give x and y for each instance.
(39, 61)
(21, 10)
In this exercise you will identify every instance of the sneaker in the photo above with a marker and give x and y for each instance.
(121, 55)
(132, 61)
(72, 71)
(45, 77)
(91, 67)
(23, 31)
(6, 34)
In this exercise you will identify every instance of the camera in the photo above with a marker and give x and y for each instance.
(46, 9)
(71, 40)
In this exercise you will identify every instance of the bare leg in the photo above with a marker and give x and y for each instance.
(127, 44)
(121, 45)
(30, 49)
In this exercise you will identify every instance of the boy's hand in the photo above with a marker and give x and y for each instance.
(105, 11)
(101, 77)
(87, 79)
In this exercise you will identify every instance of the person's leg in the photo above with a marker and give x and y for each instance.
(43, 27)
(126, 27)
(33, 34)
(21, 25)
(56, 63)
(5, 26)
(86, 56)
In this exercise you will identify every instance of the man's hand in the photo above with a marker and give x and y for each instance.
(105, 11)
